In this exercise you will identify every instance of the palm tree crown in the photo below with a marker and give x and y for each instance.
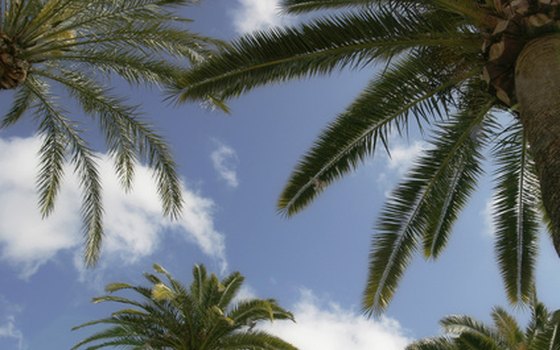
(201, 317)
(449, 63)
(50, 46)
(464, 332)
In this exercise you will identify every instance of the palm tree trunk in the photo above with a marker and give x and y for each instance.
(537, 84)
(13, 69)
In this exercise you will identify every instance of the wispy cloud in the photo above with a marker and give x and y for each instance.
(402, 156)
(133, 221)
(327, 326)
(251, 15)
(488, 218)
(224, 159)
(9, 332)
(401, 159)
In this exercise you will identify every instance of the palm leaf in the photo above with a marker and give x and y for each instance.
(409, 89)
(508, 328)
(326, 44)
(85, 166)
(415, 208)
(470, 332)
(516, 214)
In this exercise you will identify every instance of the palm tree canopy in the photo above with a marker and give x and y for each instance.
(75, 46)
(464, 332)
(203, 316)
(449, 64)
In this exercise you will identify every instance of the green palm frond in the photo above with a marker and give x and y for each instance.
(84, 161)
(452, 59)
(439, 343)
(466, 333)
(22, 102)
(80, 45)
(426, 204)
(198, 317)
(471, 331)
(508, 327)
(539, 319)
(411, 89)
(302, 6)
(516, 214)
(258, 340)
(350, 40)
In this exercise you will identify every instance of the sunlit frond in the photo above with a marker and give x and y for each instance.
(173, 316)
(80, 46)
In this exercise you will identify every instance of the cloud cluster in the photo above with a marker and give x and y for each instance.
(251, 15)
(327, 326)
(224, 160)
(134, 224)
(9, 333)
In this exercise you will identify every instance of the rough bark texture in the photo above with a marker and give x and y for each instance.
(537, 84)
(13, 69)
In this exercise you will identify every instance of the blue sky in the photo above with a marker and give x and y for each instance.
(233, 168)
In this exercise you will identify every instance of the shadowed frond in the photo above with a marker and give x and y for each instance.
(411, 89)
(351, 40)
(304, 6)
(425, 205)
(515, 212)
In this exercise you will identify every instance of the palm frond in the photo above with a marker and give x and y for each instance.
(85, 166)
(516, 214)
(472, 331)
(508, 327)
(79, 44)
(133, 67)
(258, 340)
(412, 88)
(191, 318)
(417, 209)
(305, 6)
(326, 44)
(437, 343)
(126, 136)
(22, 103)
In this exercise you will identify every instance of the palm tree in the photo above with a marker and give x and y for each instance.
(49, 47)
(172, 316)
(449, 64)
(464, 332)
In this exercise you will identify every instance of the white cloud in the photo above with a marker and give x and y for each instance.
(134, 224)
(254, 15)
(401, 159)
(402, 156)
(327, 326)
(488, 218)
(246, 292)
(224, 159)
(9, 333)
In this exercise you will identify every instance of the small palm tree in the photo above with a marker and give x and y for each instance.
(464, 332)
(450, 65)
(51, 46)
(201, 317)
